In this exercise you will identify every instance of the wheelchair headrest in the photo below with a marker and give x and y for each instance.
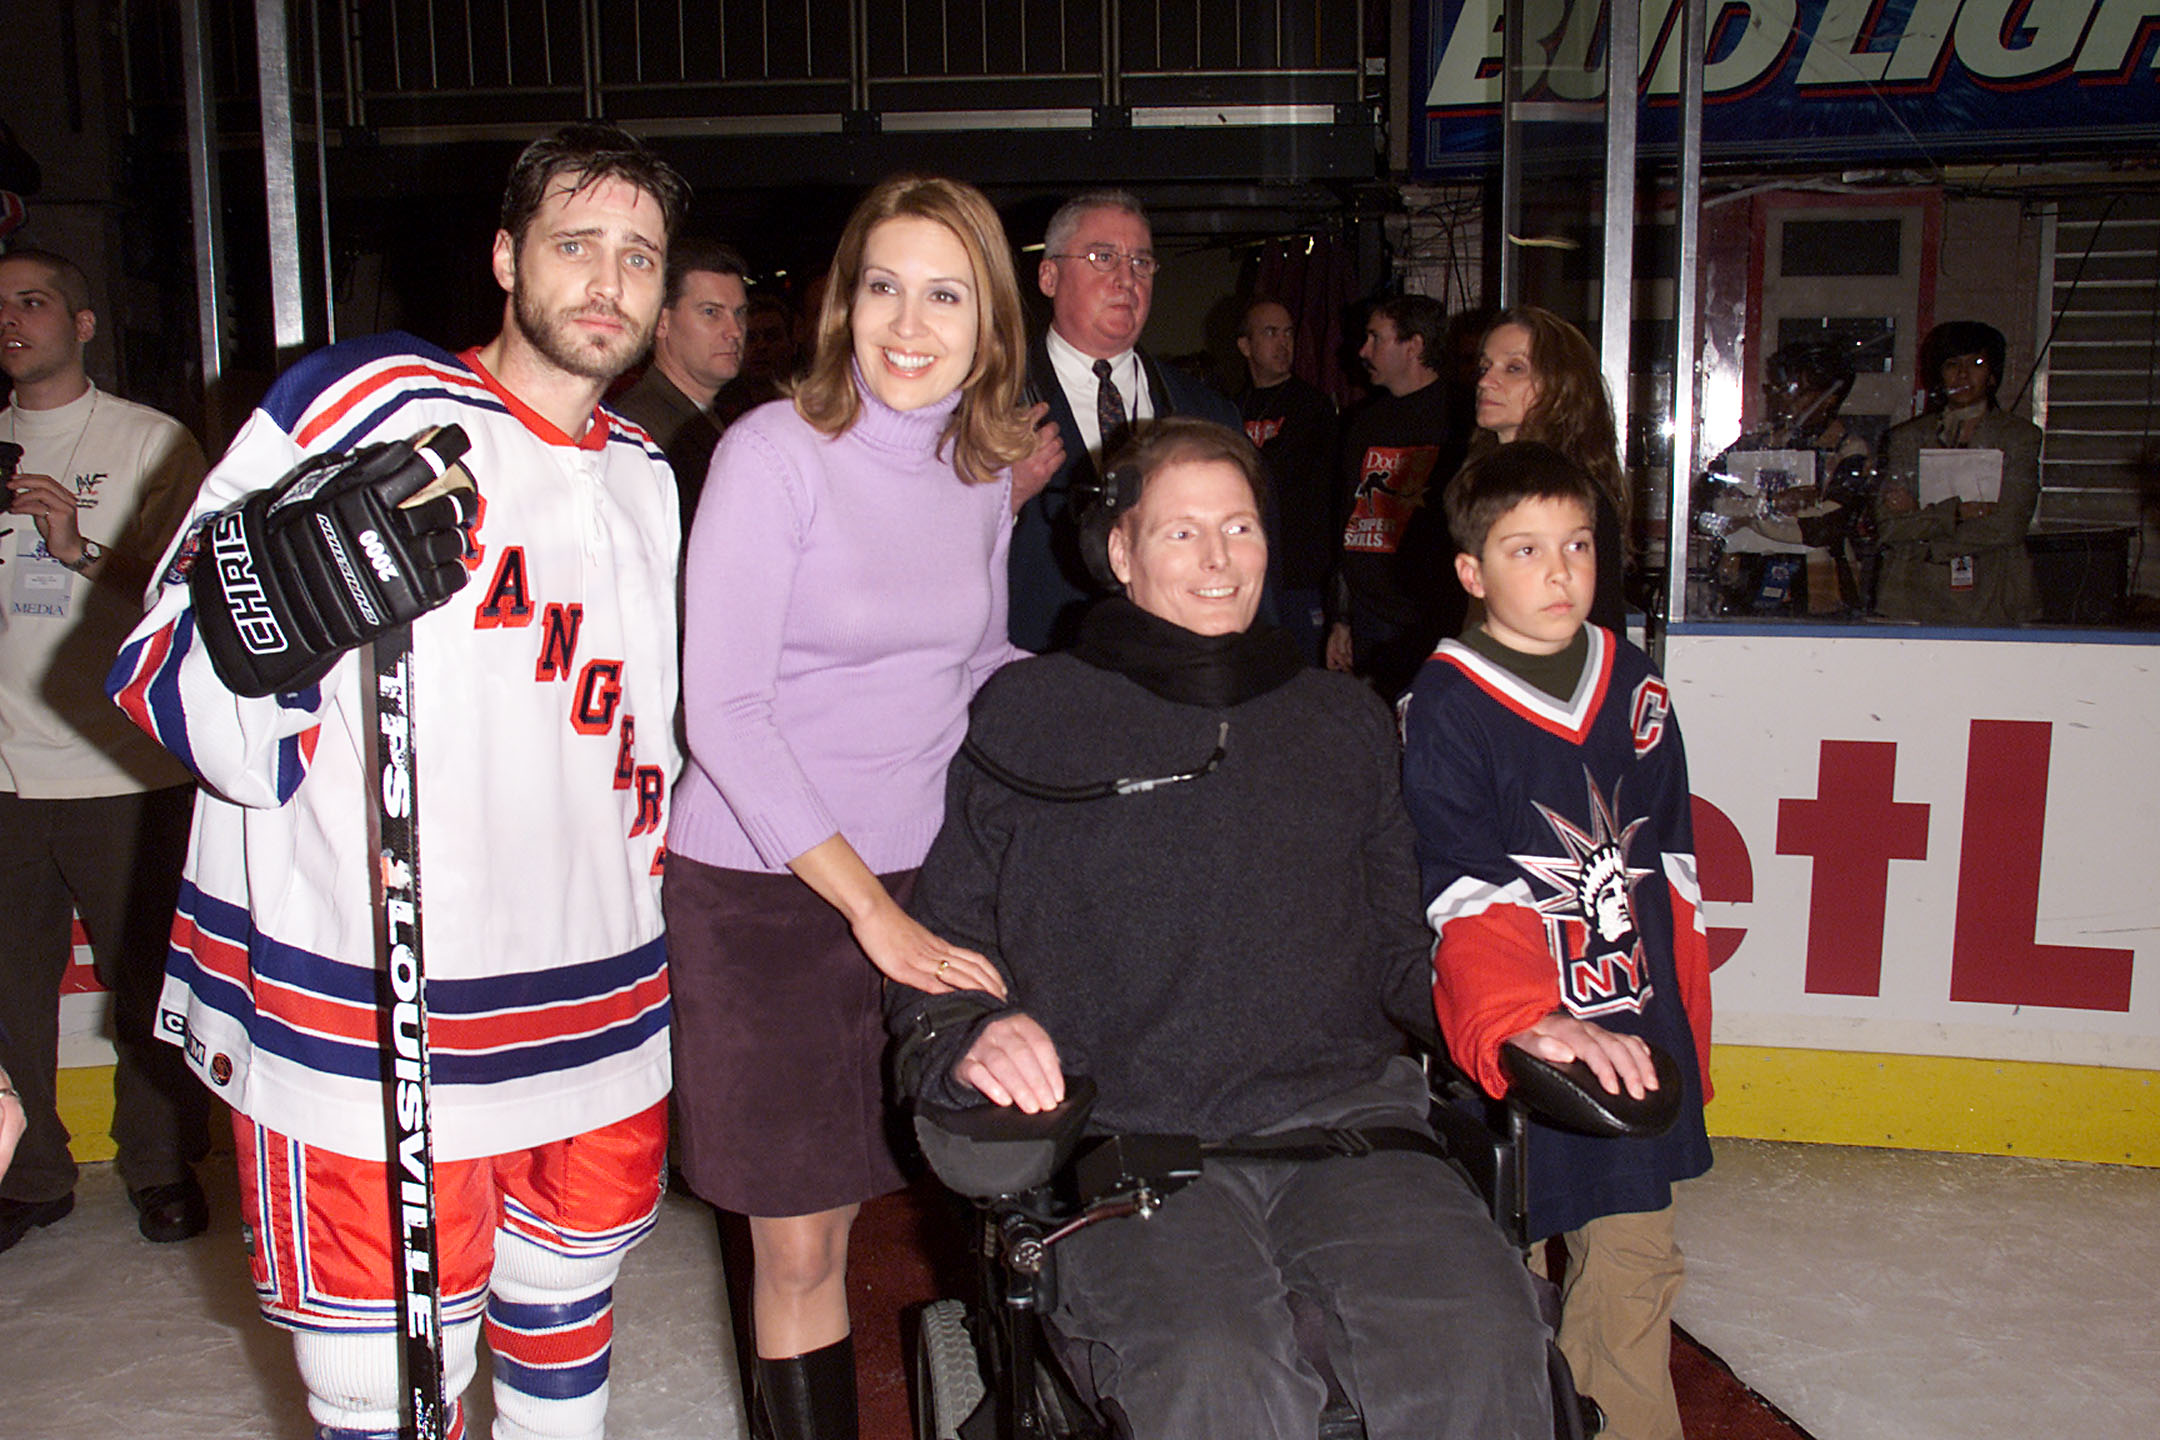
(1570, 1097)
(986, 1151)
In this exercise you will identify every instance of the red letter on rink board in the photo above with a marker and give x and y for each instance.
(1994, 958)
(1854, 829)
(1724, 870)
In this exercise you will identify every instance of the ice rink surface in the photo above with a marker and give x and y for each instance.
(1904, 1295)
(104, 1334)
(1870, 1294)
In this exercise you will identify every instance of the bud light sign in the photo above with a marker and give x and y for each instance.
(1907, 82)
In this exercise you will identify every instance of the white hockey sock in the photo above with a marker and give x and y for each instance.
(354, 1389)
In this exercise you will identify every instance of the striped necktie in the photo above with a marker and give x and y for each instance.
(1109, 409)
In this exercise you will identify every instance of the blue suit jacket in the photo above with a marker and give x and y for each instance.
(1050, 585)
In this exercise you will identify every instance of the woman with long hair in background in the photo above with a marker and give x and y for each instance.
(1538, 379)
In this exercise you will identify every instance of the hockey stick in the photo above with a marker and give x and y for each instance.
(394, 841)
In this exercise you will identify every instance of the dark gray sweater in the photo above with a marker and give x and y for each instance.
(1217, 954)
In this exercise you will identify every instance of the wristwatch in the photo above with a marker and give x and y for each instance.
(92, 552)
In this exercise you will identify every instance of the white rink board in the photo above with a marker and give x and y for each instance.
(1767, 716)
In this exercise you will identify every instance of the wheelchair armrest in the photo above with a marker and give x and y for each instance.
(985, 1151)
(1569, 1096)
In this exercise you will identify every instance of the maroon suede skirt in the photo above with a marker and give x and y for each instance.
(779, 1037)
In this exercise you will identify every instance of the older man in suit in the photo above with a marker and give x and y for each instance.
(1098, 269)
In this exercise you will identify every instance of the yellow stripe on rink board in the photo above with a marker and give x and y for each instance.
(83, 1097)
(1933, 1102)
(1830, 1097)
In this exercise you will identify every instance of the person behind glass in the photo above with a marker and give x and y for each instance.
(1538, 379)
(1959, 562)
(1824, 530)
(1227, 955)
(845, 593)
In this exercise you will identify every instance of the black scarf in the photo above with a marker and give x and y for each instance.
(1184, 668)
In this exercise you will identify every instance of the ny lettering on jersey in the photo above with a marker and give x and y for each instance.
(1589, 911)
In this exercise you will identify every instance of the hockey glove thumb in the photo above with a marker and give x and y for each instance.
(343, 549)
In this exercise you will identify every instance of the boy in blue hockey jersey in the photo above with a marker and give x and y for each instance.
(1543, 767)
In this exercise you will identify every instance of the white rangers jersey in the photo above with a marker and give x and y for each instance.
(543, 706)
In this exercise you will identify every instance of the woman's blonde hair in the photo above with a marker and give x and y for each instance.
(988, 430)
(1572, 413)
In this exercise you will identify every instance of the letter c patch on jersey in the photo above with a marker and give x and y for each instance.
(1647, 712)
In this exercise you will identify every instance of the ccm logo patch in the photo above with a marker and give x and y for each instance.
(1647, 712)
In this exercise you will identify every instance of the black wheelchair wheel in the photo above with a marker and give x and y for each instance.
(948, 1379)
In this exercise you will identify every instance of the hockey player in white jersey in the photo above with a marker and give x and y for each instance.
(545, 679)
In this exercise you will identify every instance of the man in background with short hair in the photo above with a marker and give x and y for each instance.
(697, 349)
(1397, 595)
(770, 359)
(93, 813)
(1098, 270)
(1293, 425)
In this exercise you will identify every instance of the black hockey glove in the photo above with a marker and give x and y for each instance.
(345, 548)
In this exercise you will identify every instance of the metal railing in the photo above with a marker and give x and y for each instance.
(422, 68)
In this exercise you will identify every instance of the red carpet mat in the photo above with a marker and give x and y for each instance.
(911, 1247)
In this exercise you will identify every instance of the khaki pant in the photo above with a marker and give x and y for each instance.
(1616, 1302)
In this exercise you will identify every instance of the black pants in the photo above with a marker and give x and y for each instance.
(116, 859)
(1435, 1328)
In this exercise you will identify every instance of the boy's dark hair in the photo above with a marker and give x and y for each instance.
(1497, 480)
(1424, 317)
(63, 274)
(588, 153)
(693, 253)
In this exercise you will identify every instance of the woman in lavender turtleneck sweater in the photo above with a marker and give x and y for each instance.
(845, 597)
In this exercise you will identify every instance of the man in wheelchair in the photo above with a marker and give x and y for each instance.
(1188, 855)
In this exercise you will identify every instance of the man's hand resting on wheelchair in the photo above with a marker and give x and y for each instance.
(1616, 1060)
(1013, 1063)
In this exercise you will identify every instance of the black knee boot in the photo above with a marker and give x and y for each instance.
(810, 1397)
